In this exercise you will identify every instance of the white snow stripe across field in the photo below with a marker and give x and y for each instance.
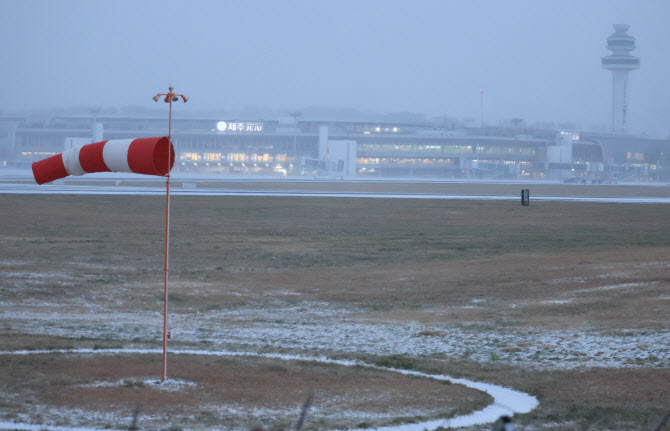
(30, 427)
(505, 401)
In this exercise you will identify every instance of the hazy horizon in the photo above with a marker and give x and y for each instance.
(535, 61)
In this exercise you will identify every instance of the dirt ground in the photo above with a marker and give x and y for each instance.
(567, 301)
(222, 392)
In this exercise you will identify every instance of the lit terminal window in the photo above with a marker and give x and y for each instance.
(212, 157)
(629, 156)
(264, 158)
(238, 157)
(191, 157)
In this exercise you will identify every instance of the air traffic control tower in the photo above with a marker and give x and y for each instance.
(620, 62)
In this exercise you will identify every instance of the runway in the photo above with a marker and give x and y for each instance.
(55, 189)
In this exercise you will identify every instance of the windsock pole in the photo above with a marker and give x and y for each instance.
(167, 251)
(169, 98)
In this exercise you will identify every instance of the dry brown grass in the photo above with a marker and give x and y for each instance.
(551, 266)
(273, 389)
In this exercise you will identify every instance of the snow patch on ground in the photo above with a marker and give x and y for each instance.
(37, 278)
(170, 385)
(317, 326)
(64, 419)
(615, 286)
(568, 280)
(30, 427)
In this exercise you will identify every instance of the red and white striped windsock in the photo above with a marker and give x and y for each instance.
(147, 156)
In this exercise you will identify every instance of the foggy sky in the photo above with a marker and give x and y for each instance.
(536, 60)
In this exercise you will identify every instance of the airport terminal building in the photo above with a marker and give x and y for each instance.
(345, 149)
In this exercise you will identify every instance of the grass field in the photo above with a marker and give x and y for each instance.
(566, 301)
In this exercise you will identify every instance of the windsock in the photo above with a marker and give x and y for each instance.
(147, 156)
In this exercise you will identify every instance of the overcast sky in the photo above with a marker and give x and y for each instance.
(537, 60)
